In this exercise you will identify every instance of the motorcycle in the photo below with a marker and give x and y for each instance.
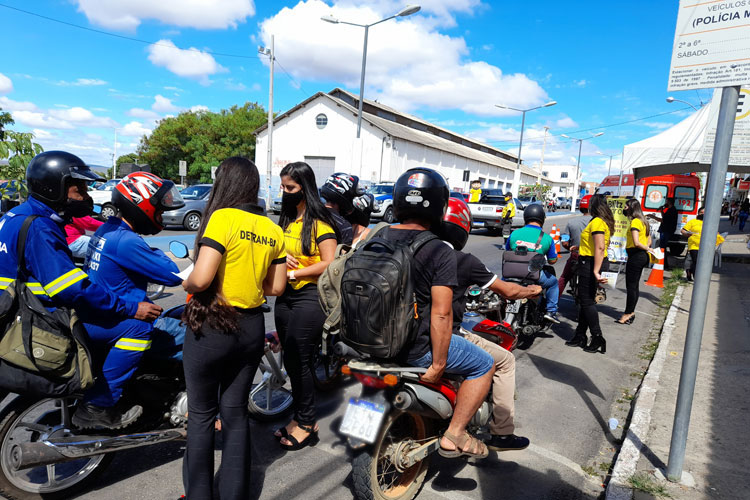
(484, 317)
(526, 316)
(42, 456)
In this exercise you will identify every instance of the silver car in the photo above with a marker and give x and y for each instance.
(190, 215)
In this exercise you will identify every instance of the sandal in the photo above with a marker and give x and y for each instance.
(460, 451)
(281, 432)
(311, 439)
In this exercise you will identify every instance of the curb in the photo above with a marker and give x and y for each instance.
(637, 432)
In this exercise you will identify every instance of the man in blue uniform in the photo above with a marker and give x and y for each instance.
(121, 260)
(56, 182)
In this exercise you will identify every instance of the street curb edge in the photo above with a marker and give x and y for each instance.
(637, 432)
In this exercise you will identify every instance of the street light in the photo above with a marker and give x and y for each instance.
(578, 165)
(672, 99)
(517, 173)
(610, 160)
(406, 11)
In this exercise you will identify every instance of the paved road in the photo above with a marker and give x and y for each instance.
(565, 398)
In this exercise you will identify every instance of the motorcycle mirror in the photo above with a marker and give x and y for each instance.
(178, 249)
(537, 263)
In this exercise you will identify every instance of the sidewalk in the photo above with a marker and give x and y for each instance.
(718, 446)
(734, 248)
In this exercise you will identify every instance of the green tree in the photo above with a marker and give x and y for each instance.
(128, 158)
(18, 148)
(5, 120)
(203, 139)
(538, 190)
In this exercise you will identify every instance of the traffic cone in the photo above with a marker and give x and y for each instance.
(656, 278)
(555, 233)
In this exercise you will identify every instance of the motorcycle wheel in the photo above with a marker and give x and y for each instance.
(154, 291)
(326, 371)
(374, 474)
(31, 420)
(269, 399)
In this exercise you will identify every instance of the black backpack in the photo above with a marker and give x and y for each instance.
(378, 301)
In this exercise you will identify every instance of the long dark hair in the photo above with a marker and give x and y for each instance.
(635, 211)
(598, 208)
(301, 173)
(237, 183)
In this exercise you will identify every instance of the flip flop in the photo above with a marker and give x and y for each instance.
(460, 442)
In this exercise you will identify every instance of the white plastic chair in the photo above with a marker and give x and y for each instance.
(717, 254)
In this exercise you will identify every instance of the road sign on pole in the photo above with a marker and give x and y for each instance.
(182, 171)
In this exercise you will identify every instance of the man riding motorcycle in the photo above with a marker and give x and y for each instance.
(56, 182)
(121, 260)
(527, 236)
(454, 230)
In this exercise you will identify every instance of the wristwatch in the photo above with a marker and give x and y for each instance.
(291, 276)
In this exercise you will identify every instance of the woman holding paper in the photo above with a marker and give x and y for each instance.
(592, 262)
(240, 258)
(638, 247)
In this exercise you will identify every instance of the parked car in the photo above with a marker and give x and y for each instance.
(102, 196)
(562, 202)
(529, 200)
(191, 214)
(9, 195)
(460, 196)
(488, 211)
(383, 193)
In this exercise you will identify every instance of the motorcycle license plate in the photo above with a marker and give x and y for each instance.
(512, 307)
(362, 419)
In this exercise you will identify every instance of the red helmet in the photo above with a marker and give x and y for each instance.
(141, 198)
(585, 201)
(456, 224)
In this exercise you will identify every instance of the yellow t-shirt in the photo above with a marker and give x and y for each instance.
(475, 195)
(695, 226)
(293, 242)
(637, 223)
(596, 226)
(250, 243)
(510, 208)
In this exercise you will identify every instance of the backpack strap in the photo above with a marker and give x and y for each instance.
(21, 246)
(420, 240)
(538, 244)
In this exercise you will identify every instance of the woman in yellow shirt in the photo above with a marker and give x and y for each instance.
(310, 236)
(240, 258)
(592, 262)
(693, 229)
(637, 247)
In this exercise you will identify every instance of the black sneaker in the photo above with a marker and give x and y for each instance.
(552, 318)
(509, 442)
(88, 416)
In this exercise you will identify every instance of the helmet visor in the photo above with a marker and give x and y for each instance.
(168, 197)
(83, 172)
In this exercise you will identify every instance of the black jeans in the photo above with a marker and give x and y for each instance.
(693, 262)
(219, 370)
(637, 260)
(299, 322)
(588, 317)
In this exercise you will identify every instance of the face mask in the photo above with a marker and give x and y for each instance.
(700, 217)
(78, 208)
(289, 201)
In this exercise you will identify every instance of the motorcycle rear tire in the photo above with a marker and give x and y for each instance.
(10, 417)
(367, 486)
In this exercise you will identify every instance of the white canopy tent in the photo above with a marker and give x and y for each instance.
(677, 150)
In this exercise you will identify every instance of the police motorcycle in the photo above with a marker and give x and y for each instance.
(43, 456)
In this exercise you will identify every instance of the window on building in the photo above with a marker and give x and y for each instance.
(563, 175)
(321, 121)
(545, 173)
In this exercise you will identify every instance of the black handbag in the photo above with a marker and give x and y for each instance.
(516, 262)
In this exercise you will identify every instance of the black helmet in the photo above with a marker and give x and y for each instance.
(363, 206)
(534, 213)
(48, 172)
(420, 193)
(340, 188)
(508, 195)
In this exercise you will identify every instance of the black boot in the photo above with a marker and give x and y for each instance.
(511, 442)
(578, 341)
(597, 344)
(88, 416)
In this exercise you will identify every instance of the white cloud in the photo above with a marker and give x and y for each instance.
(134, 129)
(6, 85)
(566, 122)
(142, 113)
(409, 63)
(658, 125)
(199, 108)
(11, 105)
(41, 134)
(82, 82)
(39, 119)
(201, 14)
(82, 117)
(163, 105)
(434, 12)
(190, 63)
(580, 83)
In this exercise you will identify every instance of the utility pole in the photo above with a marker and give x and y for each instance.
(269, 162)
(114, 158)
(541, 160)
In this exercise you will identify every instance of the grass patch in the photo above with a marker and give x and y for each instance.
(589, 469)
(605, 466)
(670, 287)
(638, 374)
(648, 350)
(646, 483)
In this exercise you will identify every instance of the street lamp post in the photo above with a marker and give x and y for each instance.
(269, 150)
(609, 167)
(517, 173)
(578, 165)
(672, 99)
(406, 11)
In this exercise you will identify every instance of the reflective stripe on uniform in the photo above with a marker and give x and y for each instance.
(70, 278)
(4, 282)
(132, 344)
(36, 288)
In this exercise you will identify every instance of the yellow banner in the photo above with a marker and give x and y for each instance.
(617, 241)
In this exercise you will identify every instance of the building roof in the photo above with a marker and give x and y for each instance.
(397, 125)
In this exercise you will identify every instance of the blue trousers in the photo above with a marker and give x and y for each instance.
(551, 290)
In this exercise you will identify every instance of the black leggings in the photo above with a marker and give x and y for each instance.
(637, 260)
(299, 322)
(588, 318)
(219, 370)
(693, 262)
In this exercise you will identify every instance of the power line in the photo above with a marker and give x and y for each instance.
(123, 37)
(298, 84)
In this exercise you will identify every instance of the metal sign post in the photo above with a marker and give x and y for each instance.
(182, 171)
(714, 193)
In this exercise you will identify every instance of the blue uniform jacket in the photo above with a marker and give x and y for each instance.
(52, 274)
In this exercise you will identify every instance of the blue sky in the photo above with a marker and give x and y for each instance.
(603, 62)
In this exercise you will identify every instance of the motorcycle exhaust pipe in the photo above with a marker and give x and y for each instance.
(52, 451)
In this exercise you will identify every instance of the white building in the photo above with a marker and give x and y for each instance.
(561, 178)
(322, 132)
